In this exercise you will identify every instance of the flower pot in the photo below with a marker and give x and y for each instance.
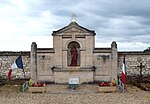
(107, 89)
(37, 89)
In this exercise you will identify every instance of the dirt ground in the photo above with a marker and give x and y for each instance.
(58, 94)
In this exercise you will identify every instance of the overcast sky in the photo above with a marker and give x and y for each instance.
(125, 21)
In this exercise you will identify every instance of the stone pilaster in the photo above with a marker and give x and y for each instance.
(114, 59)
(34, 62)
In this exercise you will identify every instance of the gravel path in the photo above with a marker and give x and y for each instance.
(56, 95)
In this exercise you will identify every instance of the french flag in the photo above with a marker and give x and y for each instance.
(17, 64)
(123, 75)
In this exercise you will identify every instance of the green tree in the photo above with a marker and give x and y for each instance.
(147, 50)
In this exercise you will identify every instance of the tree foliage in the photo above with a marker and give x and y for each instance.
(147, 50)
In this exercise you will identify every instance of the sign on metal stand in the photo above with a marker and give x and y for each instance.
(73, 82)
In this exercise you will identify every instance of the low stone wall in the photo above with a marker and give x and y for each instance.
(7, 58)
(133, 60)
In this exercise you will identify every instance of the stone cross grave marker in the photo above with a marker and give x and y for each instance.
(141, 67)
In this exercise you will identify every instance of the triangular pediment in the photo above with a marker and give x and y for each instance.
(73, 27)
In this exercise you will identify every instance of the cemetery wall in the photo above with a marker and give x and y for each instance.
(133, 60)
(7, 58)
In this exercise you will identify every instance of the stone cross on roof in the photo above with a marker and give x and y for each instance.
(73, 17)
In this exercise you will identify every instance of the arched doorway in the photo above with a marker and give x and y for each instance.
(73, 55)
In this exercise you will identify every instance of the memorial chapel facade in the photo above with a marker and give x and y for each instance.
(74, 56)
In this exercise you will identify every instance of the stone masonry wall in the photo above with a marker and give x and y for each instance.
(7, 58)
(133, 60)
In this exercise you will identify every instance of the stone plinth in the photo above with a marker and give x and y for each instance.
(62, 75)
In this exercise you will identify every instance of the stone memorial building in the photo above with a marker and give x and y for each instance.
(74, 56)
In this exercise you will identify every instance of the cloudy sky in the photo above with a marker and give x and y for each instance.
(125, 21)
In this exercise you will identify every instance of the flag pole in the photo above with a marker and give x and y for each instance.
(24, 74)
(22, 67)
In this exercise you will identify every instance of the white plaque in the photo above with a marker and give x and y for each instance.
(74, 80)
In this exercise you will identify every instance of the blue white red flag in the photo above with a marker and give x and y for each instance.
(17, 64)
(123, 74)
